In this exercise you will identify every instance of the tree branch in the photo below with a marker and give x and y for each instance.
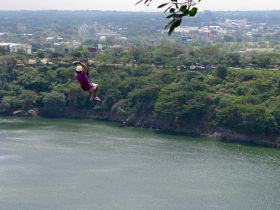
(177, 9)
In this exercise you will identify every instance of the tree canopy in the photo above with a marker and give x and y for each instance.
(155, 86)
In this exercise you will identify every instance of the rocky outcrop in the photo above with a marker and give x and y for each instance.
(150, 121)
(29, 112)
(192, 129)
(232, 136)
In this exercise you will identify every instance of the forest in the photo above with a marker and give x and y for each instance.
(165, 96)
(191, 87)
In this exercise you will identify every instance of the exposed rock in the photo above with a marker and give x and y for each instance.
(30, 112)
(33, 112)
(191, 128)
(232, 136)
(19, 112)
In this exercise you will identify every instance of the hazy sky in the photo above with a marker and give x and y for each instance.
(128, 5)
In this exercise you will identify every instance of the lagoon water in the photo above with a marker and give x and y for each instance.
(85, 165)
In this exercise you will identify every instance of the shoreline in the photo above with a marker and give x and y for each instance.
(221, 134)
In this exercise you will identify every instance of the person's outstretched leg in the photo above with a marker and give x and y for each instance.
(94, 96)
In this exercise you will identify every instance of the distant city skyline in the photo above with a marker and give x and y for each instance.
(129, 5)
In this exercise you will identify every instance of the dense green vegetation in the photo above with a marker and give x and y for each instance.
(147, 78)
(243, 100)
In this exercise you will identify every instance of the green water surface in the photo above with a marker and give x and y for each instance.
(84, 165)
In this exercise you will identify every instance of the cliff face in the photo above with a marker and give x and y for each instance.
(199, 128)
(232, 136)
(192, 128)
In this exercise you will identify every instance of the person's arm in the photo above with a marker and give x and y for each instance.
(85, 67)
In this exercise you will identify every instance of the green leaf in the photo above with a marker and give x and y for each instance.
(138, 2)
(172, 10)
(169, 16)
(193, 11)
(146, 1)
(180, 15)
(167, 9)
(163, 5)
(183, 8)
(168, 25)
(186, 12)
(171, 30)
(175, 24)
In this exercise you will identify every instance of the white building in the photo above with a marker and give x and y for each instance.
(103, 38)
(110, 35)
(186, 29)
(229, 23)
(214, 28)
(99, 46)
(15, 47)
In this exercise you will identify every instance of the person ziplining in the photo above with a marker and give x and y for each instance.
(82, 76)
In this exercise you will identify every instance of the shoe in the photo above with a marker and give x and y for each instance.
(97, 99)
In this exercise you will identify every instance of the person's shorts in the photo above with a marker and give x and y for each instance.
(93, 87)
